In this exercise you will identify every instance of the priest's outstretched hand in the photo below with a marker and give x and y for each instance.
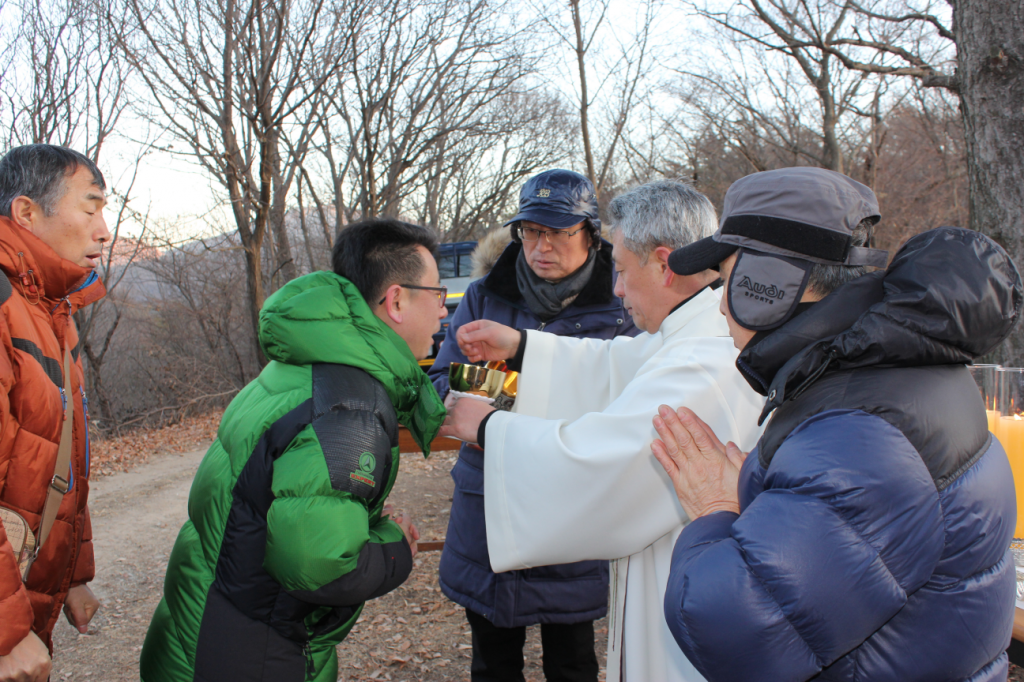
(463, 420)
(704, 472)
(484, 340)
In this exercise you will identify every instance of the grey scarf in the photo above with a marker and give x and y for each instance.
(546, 299)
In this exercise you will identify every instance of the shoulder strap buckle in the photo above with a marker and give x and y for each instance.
(60, 484)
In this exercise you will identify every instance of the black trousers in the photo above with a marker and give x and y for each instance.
(498, 652)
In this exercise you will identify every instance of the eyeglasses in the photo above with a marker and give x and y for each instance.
(442, 293)
(528, 234)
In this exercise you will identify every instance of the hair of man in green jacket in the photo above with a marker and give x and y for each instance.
(393, 265)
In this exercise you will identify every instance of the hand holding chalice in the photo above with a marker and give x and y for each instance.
(491, 383)
(475, 391)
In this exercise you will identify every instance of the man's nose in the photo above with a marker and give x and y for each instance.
(103, 233)
(619, 290)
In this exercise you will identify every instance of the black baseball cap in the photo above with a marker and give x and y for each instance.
(557, 199)
(802, 213)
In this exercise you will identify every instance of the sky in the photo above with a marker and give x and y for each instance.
(172, 189)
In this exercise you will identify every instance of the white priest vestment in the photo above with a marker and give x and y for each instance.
(570, 474)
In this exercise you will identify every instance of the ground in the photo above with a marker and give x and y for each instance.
(414, 633)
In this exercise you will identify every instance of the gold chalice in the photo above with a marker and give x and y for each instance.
(476, 380)
(509, 387)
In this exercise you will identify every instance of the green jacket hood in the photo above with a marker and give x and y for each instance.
(322, 318)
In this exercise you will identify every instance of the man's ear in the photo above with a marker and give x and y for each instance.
(660, 257)
(24, 212)
(394, 303)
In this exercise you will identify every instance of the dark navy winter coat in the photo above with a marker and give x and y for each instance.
(570, 593)
(877, 510)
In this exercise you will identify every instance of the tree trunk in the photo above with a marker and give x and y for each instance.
(577, 23)
(94, 379)
(832, 151)
(313, 261)
(254, 289)
(990, 60)
(284, 266)
(93, 357)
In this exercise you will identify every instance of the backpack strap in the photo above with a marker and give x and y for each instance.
(58, 484)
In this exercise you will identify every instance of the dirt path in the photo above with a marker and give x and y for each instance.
(414, 633)
(135, 519)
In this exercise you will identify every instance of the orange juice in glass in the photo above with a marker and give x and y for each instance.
(1010, 431)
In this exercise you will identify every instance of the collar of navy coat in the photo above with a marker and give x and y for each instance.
(501, 281)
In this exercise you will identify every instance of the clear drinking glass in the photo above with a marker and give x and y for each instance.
(1010, 423)
(987, 378)
(1010, 432)
(1017, 548)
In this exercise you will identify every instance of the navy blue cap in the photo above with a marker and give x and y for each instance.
(557, 199)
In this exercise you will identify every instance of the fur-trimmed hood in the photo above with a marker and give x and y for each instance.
(488, 250)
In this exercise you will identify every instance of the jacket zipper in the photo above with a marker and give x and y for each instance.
(71, 467)
(85, 411)
(308, 654)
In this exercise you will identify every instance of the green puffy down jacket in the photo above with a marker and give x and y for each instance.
(285, 539)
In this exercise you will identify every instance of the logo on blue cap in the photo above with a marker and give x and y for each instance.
(557, 199)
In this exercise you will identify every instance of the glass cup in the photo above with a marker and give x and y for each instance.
(1010, 431)
(987, 378)
(1017, 549)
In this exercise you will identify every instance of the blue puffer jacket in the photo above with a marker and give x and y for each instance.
(877, 510)
(570, 593)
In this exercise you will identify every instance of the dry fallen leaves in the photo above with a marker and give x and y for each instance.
(121, 453)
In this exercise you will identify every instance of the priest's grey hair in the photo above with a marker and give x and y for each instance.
(662, 213)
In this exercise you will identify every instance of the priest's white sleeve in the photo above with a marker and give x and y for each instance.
(564, 377)
(557, 491)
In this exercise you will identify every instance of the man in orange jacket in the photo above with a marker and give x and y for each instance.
(52, 232)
